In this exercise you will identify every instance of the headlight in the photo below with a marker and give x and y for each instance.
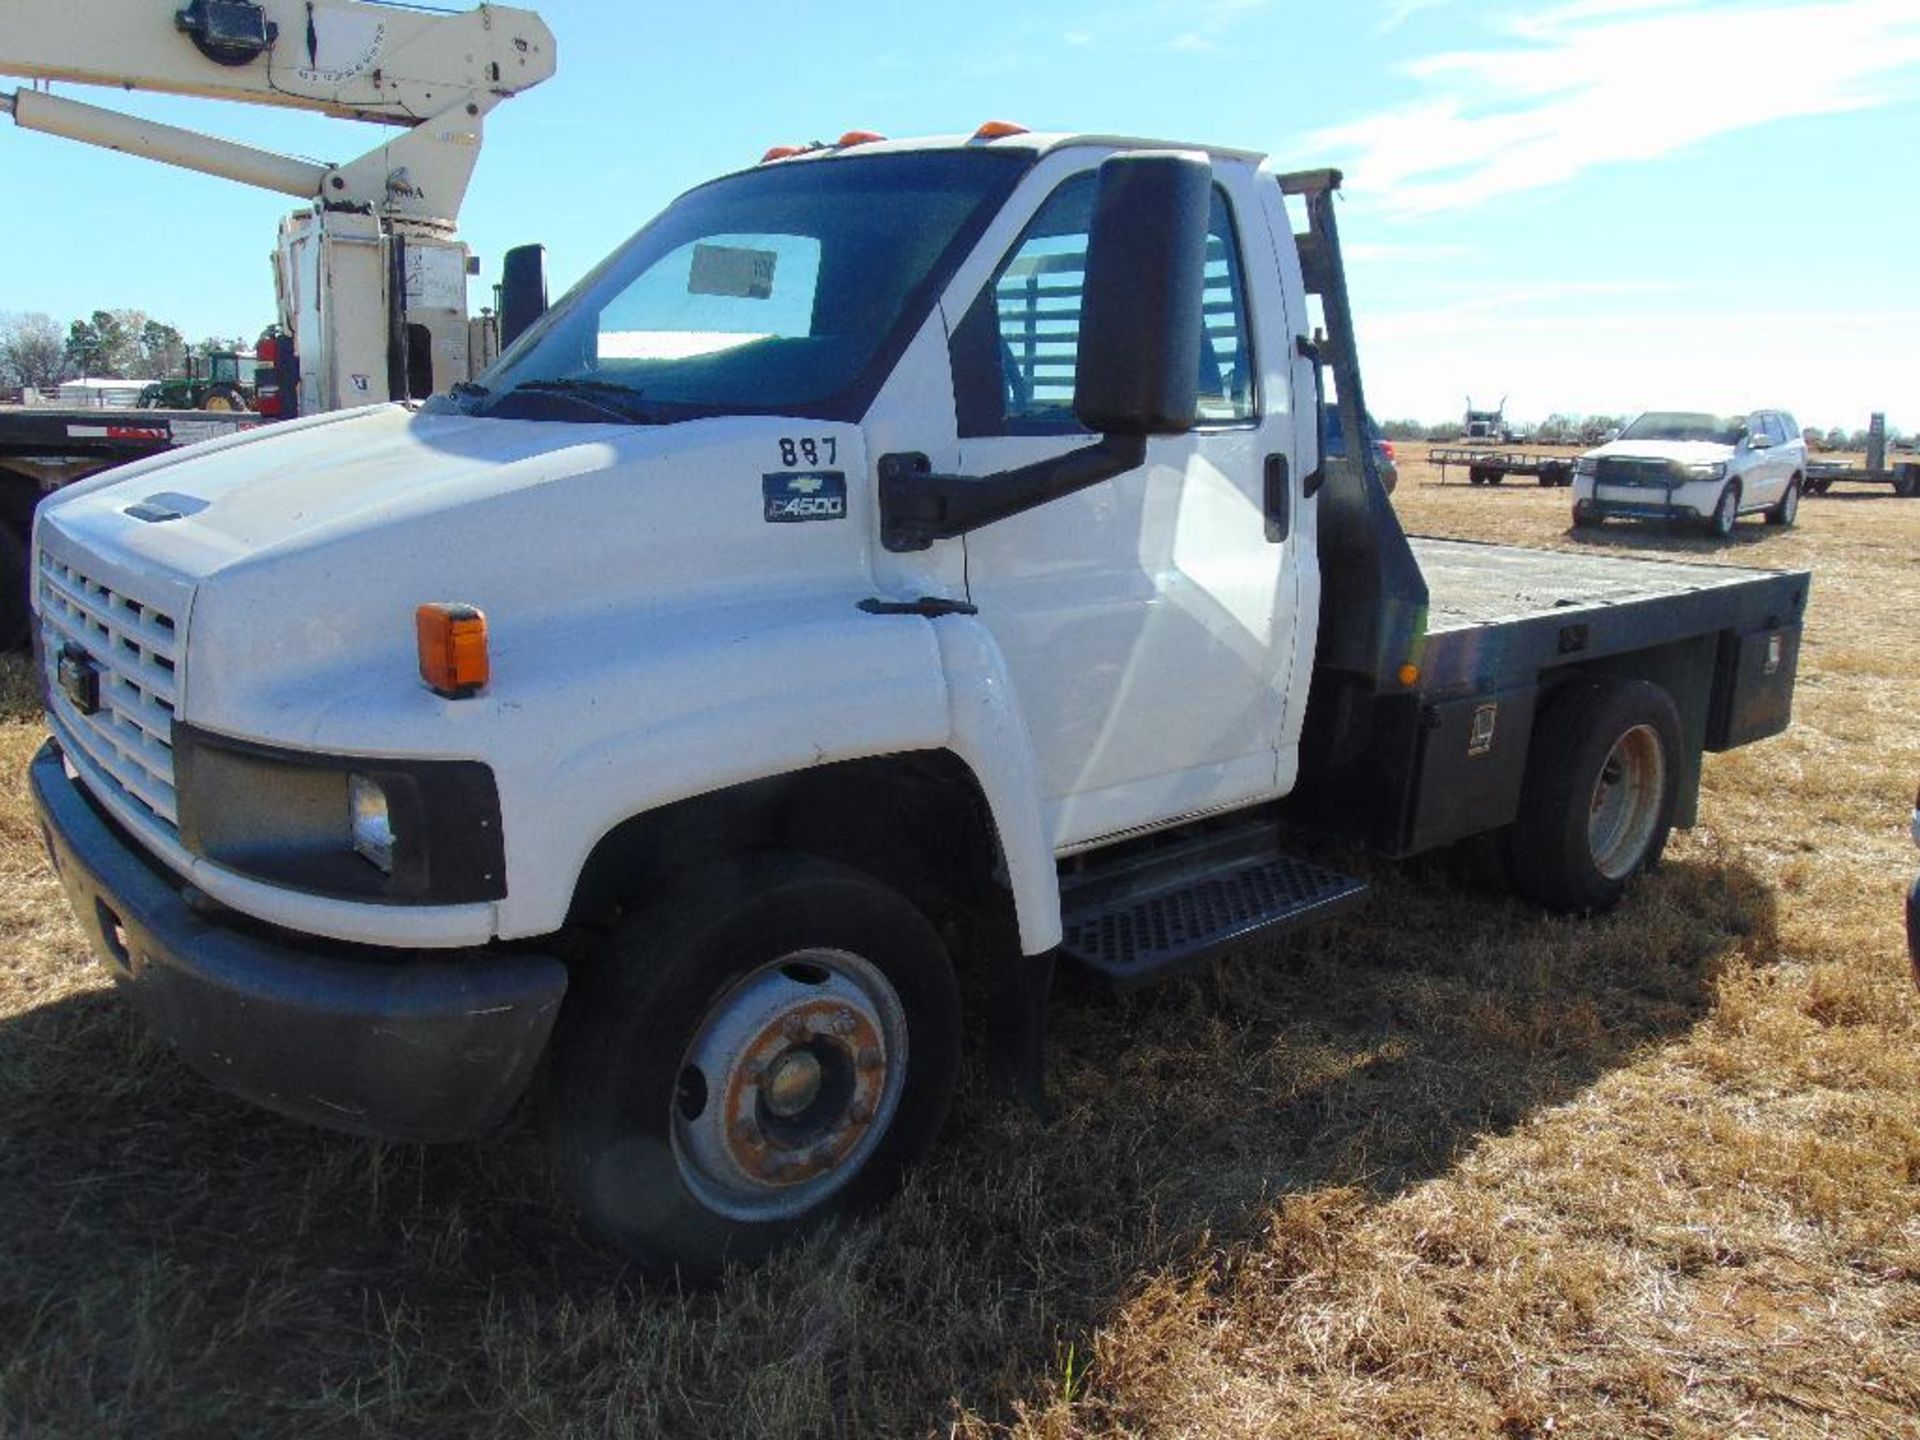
(1706, 472)
(419, 832)
(1586, 465)
(372, 825)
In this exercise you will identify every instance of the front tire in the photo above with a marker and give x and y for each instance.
(764, 1049)
(1597, 802)
(1726, 511)
(1787, 508)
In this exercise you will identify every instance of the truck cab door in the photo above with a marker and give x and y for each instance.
(1147, 622)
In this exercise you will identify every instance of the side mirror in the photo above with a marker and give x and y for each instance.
(523, 290)
(1759, 442)
(1139, 359)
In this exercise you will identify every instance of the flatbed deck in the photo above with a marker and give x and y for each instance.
(1499, 614)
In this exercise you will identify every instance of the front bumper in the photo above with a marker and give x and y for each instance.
(411, 1045)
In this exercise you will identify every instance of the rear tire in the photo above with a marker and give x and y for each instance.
(1596, 806)
(1480, 475)
(764, 1049)
(1787, 508)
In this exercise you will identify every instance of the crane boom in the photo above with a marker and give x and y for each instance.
(353, 59)
(370, 277)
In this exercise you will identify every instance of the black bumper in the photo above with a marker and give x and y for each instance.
(412, 1045)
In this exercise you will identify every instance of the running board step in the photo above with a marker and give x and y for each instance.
(1155, 913)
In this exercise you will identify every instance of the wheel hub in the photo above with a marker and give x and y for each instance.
(1625, 806)
(789, 1084)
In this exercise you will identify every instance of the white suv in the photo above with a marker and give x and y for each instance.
(1681, 465)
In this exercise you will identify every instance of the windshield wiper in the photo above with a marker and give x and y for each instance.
(603, 395)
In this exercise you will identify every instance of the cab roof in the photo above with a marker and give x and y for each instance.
(1036, 142)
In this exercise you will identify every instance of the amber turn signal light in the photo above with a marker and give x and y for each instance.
(453, 648)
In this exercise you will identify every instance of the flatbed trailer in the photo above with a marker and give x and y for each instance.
(1900, 470)
(43, 447)
(1902, 473)
(1492, 467)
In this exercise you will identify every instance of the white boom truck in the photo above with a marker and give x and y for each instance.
(901, 560)
(370, 274)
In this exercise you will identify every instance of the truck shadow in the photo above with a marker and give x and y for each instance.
(174, 1255)
(1656, 536)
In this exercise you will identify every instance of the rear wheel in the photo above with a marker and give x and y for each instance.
(224, 398)
(763, 1051)
(1597, 802)
(1787, 508)
(1483, 475)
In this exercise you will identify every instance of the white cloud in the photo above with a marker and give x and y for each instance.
(1594, 82)
(1401, 11)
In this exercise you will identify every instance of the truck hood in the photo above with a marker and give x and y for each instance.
(1684, 452)
(301, 552)
(279, 489)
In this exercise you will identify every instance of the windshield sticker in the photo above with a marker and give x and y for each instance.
(794, 496)
(731, 270)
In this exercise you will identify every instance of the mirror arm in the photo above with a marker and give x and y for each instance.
(918, 507)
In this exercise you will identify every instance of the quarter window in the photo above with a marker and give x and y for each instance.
(1014, 355)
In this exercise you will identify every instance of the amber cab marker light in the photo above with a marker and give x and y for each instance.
(781, 152)
(860, 137)
(453, 648)
(999, 130)
(1409, 675)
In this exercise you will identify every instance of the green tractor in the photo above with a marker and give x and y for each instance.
(212, 382)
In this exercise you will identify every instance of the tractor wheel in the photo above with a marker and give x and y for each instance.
(223, 398)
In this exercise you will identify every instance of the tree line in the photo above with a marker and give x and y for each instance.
(124, 344)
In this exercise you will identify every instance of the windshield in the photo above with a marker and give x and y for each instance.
(786, 289)
(1687, 425)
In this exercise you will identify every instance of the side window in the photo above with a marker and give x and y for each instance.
(1015, 352)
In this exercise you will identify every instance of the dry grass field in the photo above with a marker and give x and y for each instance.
(1450, 1168)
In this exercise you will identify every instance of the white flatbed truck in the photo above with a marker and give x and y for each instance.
(901, 560)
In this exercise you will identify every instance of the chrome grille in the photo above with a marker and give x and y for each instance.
(129, 737)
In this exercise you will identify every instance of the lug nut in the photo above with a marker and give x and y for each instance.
(868, 1058)
(794, 1028)
(844, 1023)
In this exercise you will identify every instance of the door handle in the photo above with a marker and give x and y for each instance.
(1278, 499)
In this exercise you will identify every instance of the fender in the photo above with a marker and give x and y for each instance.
(991, 737)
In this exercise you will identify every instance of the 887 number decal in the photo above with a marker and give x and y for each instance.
(806, 450)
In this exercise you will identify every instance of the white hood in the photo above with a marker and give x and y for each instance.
(301, 551)
(1684, 452)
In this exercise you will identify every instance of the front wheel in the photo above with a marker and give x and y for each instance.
(1787, 508)
(1597, 801)
(763, 1050)
(1726, 512)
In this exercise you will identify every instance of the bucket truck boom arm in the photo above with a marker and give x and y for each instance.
(370, 278)
(436, 73)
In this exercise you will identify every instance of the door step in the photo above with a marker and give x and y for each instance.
(1157, 911)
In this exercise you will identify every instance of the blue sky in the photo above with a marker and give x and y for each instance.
(1591, 205)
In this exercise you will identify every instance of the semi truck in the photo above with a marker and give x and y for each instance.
(903, 568)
